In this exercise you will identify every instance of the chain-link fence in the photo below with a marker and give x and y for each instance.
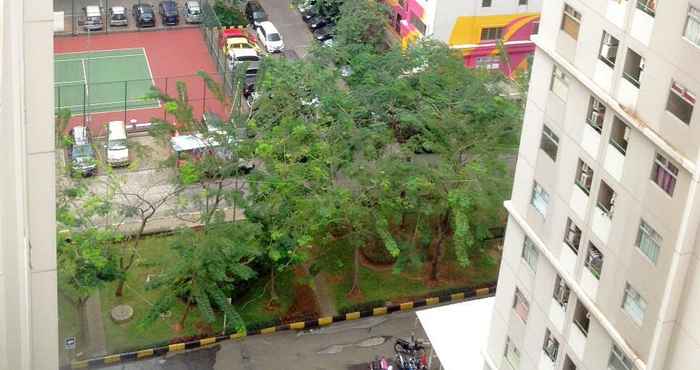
(76, 21)
(134, 99)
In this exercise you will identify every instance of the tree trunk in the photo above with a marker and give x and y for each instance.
(438, 242)
(188, 307)
(355, 289)
(125, 268)
(274, 298)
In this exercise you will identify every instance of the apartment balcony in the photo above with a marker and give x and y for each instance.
(590, 141)
(614, 162)
(642, 23)
(628, 93)
(603, 75)
(616, 11)
(579, 201)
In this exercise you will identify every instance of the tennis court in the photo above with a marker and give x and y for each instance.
(103, 81)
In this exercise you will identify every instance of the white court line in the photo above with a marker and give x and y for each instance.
(97, 58)
(121, 102)
(70, 82)
(95, 51)
(85, 81)
(148, 64)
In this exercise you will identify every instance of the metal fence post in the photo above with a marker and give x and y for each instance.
(204, 95)
(125, 98)
(84, 103)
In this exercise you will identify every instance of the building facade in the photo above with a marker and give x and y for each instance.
(600, 265)
(28, 302)
(473, 27)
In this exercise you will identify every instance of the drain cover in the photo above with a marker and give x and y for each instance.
(371, 342)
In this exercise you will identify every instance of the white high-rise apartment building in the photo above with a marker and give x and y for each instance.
(601, 264)
(28, 307)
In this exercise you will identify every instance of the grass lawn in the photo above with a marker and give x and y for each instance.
(154, 254)
(68, 326)
(385, 285)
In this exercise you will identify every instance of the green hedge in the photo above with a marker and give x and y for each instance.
(229, 15)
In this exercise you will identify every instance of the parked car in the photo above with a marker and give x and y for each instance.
(318, 22)
(308, 14)
(324, 33)
(270, 37)
(169, 13)
(117, 16)
(92, 18)
(306, 5)
(80, 152)
(255, 13)
(116, 147)
(192, 12)
(239, 56)
(144, 15)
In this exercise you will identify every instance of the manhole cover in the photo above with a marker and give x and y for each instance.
(331, 350)
(122, 313)
(371, 342)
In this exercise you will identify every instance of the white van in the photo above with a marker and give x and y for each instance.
(116, 147)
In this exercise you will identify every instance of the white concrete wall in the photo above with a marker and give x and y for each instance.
(28, 304)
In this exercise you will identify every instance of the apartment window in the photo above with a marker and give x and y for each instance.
(680, 102)
(582, 318)
(521, 305)
(540, 199)
(561, 292)
(568, 364)
(664, 173)
(489, 63)
(491, 33)
(551, 345)
(634, 66)
(571, 21)
(634, 304)
(584, 176)
(535, 28)
(530, 253)
(594, 261)
(649, 241)
(560, 83)
(418, 23)
(618, 360)
(522, 2)
(549, 142)
(485, 3)
(692, 26)
(606, 199)
(572, 235)
(596, 114)
(512, 354)
(620, 135)
(608, 49)
(647, 6)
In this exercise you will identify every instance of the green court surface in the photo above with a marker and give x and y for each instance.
(103, 81)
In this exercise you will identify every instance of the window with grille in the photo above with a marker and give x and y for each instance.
(572, 235)
(620, 135)
(596, 114)
(680, 102)
(561, 292)
(549, 142)
(560, 83)
(418, 23)
(571, 21)
(584, 176)
(664, 174)
(551, 345)
(582, 318)
(619, 361)
(522, 2)
(649, 241)
(634, 304)
(491, 33)
(568, 364)
(512, 354)
(485, 3)
(489, 63)
(606, 199)
(647, 6)
(530, 253)
(692, 26)
(634, 66)
(594, 261)
(608, 49)
(520, 305)
(540, 199)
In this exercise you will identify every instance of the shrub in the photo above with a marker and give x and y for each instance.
(229, 15)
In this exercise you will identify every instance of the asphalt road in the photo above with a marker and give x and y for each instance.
(288, 21)
(343, 346)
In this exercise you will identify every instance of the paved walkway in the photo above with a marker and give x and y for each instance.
(95, 328)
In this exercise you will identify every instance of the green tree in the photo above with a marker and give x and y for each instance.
(209, 264)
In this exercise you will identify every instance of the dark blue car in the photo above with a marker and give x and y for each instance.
(168, 12)
(144, 15)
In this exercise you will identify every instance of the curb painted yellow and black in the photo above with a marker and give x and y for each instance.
(459, 295)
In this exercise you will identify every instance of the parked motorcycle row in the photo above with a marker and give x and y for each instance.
(408, 355)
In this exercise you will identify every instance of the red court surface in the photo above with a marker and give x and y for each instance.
(173, 55)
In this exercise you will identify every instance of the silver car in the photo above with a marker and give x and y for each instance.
(118, 17)
(193, 12)
(92, 18)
